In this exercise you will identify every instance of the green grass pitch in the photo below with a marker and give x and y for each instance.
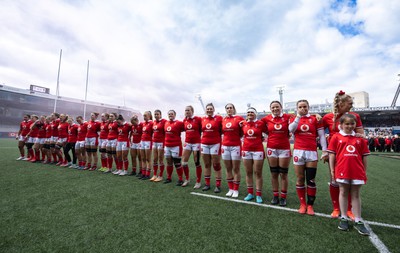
(44, 208)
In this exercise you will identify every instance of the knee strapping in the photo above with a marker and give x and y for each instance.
(177, 162)
(310, 176)
(217, 166)
(283, 170)
(274, 169)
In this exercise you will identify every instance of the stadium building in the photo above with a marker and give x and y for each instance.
(15, 103)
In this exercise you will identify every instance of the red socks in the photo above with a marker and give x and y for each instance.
(186, 171)
(301, 193)
(199, 171)
(230, 183)
(169, 171)
(334, 191)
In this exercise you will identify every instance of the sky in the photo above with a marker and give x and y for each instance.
(163, 54)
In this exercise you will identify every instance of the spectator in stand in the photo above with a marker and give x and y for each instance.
(371, 143)
(388, 144)
(396, 143)
(382, 143)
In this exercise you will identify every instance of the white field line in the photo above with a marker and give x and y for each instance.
(378, 244)
(287, 209)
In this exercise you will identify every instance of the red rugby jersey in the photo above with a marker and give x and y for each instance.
(349, 152)
(123, 132)
(136, 133)
(25, 127)
(93, 129)
(173, 130)
(42, 129)
(73, 133)
(231, 130)
(147, 130)
(158, 130)
(112, 130)
(252, 133)
(54, 127)
(49, 131)
(192, 129)
(305, 136)
(63, 129)
(212, 130)
(82, 131)
(104, 130)
(278, 131)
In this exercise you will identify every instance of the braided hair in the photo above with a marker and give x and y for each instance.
(340, 97)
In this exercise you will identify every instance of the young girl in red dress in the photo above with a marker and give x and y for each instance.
(348, 165)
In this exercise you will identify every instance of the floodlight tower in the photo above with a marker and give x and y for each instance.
(280, 90)
(198, 96)
(396, 95)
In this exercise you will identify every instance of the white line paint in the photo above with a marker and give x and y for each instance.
(288, 209)
(379, 245)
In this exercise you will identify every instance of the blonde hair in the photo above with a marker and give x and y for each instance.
(340, 97)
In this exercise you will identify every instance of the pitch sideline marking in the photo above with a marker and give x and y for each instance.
(378, 244)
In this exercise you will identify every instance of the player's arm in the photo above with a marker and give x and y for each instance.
(332, 164)
(294, 124)
(364, 161)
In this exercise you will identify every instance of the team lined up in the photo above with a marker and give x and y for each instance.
(232, 138)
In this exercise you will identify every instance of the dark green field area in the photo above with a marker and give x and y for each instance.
(44, 208)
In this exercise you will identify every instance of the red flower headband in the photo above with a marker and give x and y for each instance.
(341, 93)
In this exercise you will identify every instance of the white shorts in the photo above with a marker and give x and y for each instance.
(29, 140)
(111, 143)
(174, 152)
(301, 157)
(91, 141)
(21, 138)
(230, 152)
(122, 145)
(158, 145)
(214, 149)
(40, 141)
(103, 143)
(54, 139)
(80, 144)
(35, 140)
(47, 140)
(61, 140)
(350, 181)
(253, 155)
(191, 146)
(278, 153)
(145, 145)
(135, 145)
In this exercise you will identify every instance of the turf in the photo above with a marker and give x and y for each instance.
(45, 208)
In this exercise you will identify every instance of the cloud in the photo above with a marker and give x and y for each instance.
(160, 54)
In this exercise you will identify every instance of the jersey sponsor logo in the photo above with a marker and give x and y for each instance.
(154, 128)
(168, 128)
(134, 131)
(102, 127)
(228, 125)
(189, 126)
(208, 126)
(144, 129)
(296, 159)
(278, 126)
(351, 149)
(250, 132)
(304, 128)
